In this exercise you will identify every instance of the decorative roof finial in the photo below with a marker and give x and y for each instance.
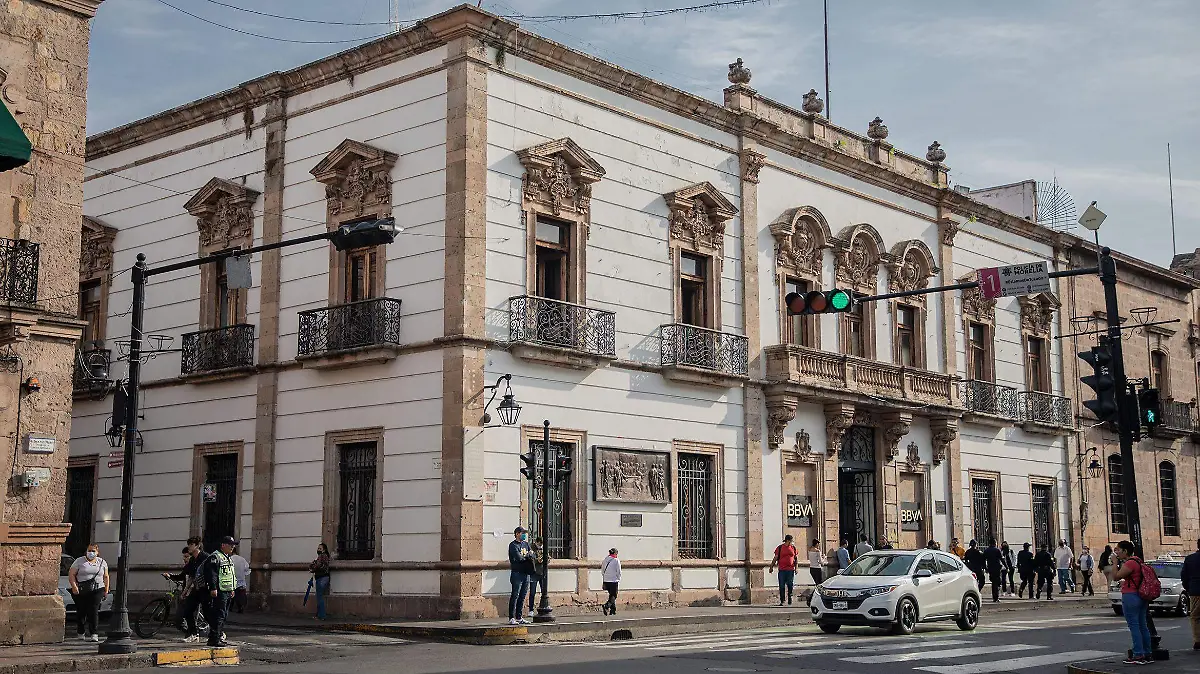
(813, 103)
(876, 130)
(936, 154)
(739, 73)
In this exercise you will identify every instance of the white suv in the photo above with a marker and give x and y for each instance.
(898, 589)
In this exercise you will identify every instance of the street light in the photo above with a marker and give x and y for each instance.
(1094, 468)
(508, 409)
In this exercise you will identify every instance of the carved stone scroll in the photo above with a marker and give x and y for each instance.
(895, 427)
(698, 217)
(96, 250)
(224, 214)
(779, 415)
(1037, 313)
(358, 181)
(559, 176)
(838, 419)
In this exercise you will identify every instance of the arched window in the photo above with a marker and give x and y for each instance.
(1116, 495)
(1166, 490)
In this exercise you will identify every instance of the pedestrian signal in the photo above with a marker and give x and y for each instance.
(1148, 404)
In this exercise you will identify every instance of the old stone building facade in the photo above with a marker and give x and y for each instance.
(622, 249)
(43, 84)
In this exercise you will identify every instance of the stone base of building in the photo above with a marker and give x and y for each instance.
(31, 620)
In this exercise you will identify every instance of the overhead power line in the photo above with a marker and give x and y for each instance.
(269, 37)
(302, 20)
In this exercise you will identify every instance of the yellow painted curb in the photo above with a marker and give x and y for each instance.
(195, 657)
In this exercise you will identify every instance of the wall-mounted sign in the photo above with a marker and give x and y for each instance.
(40, 444)
(631, 475)
(912, 516)
(631, 519)
(939, 507)
(800, 511)
(490, 488)
(1014, 279)
(208, 492)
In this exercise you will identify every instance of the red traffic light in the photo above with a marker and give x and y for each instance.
(796, 303)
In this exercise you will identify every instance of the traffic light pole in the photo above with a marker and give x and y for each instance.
(544, 612)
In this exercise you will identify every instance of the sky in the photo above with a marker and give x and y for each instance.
(1088, 92)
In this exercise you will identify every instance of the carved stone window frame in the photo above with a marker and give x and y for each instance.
(975, 308)
(696, 224)
(96, 264)
(717, 452)
(557, 186)
(199, 453)
(331, 491)
(579, 482)
(858, 253)
(224, 212)
(358, 187)
(1037, 321)
(911, 266)
(801, 235)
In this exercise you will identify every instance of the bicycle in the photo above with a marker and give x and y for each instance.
(157, 612)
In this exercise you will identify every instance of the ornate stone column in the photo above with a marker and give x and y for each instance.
(946, 454)
(751, 161)
(895, 426)
(838, 419)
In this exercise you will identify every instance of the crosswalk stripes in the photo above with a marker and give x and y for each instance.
(904, 646)
(943, 654)
(1014, 664)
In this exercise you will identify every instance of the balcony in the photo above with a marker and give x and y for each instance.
(218, 353)
(19, 271)
(91, 372)
(1178, 420)
(805, 367)
(561, 333)
(696, 355)
(1045, 413)
(990, 404)
(356, 333)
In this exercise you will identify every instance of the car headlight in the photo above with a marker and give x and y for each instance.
(875, 591)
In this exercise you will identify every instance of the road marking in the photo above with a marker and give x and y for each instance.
(1018, 663)
(682, 639)
(882, 647)
(1118, 630)
(766, 642)
(943, 654)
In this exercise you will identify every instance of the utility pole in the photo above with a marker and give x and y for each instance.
(544, 612)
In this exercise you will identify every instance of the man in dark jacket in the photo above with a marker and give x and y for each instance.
(1044, 566)
(196, 588)
(521, 566)
(1025, 569)
(1191, 583)
(994, 560)
(973, 558)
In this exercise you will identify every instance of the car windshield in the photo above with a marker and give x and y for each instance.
(64, 565)
(881, 565)
(1167, 570)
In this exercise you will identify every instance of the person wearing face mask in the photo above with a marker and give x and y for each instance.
(610, 574)
(89, 585)
(521, 566)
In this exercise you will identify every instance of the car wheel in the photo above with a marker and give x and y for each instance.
(1118, 610)
(829, 628)
(906, 617)
(968, 616)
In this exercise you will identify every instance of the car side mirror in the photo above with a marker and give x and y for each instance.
(841, 571)
(923, 573)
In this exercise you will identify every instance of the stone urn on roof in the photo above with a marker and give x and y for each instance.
(739, 73)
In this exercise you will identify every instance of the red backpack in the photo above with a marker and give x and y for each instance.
(1150, 588)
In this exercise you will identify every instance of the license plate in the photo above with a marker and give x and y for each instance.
(841, 605)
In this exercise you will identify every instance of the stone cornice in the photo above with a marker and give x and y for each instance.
(86, 8)
(1073, 243)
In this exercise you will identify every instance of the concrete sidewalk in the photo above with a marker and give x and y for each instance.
(73, 655)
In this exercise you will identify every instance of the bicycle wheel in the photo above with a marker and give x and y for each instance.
(152, 618)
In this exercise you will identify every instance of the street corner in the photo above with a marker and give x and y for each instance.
(197, 657)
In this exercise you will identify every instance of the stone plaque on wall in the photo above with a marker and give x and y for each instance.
(631, 519)
(939, 507)
(631, 475)
(912, 516)
(800, 511)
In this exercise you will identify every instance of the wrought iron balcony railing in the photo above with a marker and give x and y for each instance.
(1045, 408)
(91, 369)
(538, 320)
(355, 325)
(706, 349)
(1177, 417)
(18, 271)
(218, 349)
(985, 397)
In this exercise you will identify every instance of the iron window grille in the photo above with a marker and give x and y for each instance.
(1043, 515)
(1170, 507)
(540, 320)
(559, 519)
(356, 514)
(19, 271)
(1045, 408)
(1116, 495)
(372, 322)
(984, 397)
(696, 538)
(693, 346)
(218, 349)
(983, 511)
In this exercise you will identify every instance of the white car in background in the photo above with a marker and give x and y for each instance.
(64, 586)
(898, 589)
(1173, 598)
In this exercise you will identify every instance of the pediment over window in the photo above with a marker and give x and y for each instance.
(698, 216)
(858, 252)
(976, 307)
(910, 267)
(224, 212)
(96, 249)
(559, 175)
(358, 181)
(1037, 313)
(801, 237)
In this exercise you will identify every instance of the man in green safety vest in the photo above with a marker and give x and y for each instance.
(221, 581)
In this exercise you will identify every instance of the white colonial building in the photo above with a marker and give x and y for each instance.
(621, 249)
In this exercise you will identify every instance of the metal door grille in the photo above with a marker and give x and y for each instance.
(982, 511)
(856, 505)
(356, 518)
(81, 490)
(1116, 495)
(221, 471)
(858, 449)
(1170, 510)
(695, 474)
(559, 519)
(1043, 515)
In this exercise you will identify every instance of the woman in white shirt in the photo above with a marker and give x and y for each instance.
(89, 585)
(241, 578)
(610, 573)
(816, 562)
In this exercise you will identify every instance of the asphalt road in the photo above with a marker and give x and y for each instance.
(1042, 640)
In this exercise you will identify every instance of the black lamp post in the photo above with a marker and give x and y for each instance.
(544, 612)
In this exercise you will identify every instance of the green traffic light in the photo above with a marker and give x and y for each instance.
(839, 300)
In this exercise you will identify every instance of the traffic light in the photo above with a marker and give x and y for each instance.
(529, 470)
(363, 234)
(1148, 404)
(564, 463)
(1102, 382)
(819, 302)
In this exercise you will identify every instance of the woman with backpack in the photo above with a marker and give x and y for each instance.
(1132, 573)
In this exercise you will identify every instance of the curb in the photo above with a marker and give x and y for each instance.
(192, 657)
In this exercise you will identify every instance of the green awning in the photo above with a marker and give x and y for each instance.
(14, 146)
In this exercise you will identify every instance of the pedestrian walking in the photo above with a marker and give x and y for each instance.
(816, 562)
(1087, 566)
(1064, 557)
(932, 545)
(89, 584)
(241, 575)
(1043, 564)
(863, 547)
(1106, 565)
(535, 577)
(610, 575)
(1132, 604)
(195, 598)
(973, 559)
(957, 548)
(221, 583)
(843, 555)
(520, 566)
(994, 560)
(1009, 558)
(884, 543)
(319, 568)
(785, 558)
(1191, 584)
(1027, 570)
